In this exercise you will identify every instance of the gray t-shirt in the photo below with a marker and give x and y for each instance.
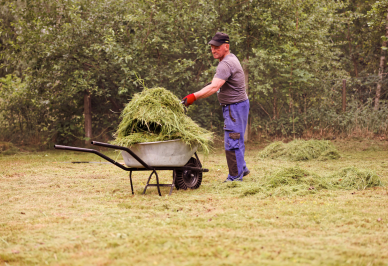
(233, 90)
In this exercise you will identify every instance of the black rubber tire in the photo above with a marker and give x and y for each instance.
(187, 178)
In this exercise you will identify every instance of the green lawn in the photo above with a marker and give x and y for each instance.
(54, 213)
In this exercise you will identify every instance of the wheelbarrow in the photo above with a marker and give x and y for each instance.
(173, 155)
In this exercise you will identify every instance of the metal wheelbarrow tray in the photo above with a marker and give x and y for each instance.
(172, 155)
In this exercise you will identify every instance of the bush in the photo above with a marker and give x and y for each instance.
(7, 148)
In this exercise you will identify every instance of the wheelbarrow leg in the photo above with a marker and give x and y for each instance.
(157, 182)
(173, 181)
(130, 178)
(149, 178)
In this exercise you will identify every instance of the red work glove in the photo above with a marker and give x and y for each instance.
(189, 99)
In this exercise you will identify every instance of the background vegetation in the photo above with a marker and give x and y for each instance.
(68, 67)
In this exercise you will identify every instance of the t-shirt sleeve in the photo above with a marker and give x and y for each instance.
(223, 71)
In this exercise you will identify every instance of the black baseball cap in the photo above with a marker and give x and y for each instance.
(219, 39)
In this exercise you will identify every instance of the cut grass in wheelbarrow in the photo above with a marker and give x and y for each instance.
(158, 115)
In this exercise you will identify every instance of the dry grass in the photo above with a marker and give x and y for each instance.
(83, 214)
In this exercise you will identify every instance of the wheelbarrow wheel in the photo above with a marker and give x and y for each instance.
(188, 178)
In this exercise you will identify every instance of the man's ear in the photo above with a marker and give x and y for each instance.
(227, 46)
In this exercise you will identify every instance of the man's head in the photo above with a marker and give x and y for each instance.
(220, 45)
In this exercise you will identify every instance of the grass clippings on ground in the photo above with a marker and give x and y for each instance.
(300, 150)
(295, 181)
(55, 213)
(354, 178)
(158, 115)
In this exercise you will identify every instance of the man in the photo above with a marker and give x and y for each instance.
(229, 83)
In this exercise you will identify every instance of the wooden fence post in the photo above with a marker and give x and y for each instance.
(88, 116)
(344, 95)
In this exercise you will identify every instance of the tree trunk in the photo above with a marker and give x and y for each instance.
(352, 56)
(275, 103)
(88, 116)
(381, 67)
(246, 73)
(305, 107)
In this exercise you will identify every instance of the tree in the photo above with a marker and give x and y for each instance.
(82, 60)
(100, 53)
(378, 21)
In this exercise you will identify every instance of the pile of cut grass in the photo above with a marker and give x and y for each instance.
(158, 115)
(291, 181)
(295, 177)
(297, 181)
(300, 150)
(354, 178)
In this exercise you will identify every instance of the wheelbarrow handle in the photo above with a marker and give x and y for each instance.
(62, 147)
(102, 144)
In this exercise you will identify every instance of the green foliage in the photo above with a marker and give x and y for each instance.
(21, 109)
(296, 54)
(359, 116)
(300, 150)
(158, 115)
(104, 49)
(290, 57)
(325, 115)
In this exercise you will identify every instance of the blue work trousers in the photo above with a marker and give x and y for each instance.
(235, 123)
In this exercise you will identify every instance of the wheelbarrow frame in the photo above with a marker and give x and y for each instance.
(132, 169)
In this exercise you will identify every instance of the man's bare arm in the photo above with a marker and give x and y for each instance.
(210, 89)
